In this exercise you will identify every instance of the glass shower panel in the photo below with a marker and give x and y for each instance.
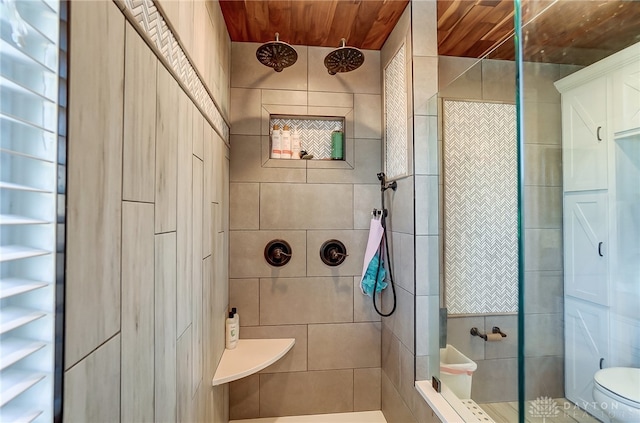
(479, 254)
(579, 104)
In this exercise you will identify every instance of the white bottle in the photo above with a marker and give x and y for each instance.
(231, 332)
(286, 142)
(295, 144)
(276, 142)
(236, 317)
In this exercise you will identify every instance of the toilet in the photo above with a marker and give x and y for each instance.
(616, 392)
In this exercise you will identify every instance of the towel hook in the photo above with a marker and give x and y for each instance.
(377, 214)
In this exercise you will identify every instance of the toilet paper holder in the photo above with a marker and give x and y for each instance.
(494, 331)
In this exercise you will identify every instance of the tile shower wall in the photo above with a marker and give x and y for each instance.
(481, 207)
(335, 363)
(396, 155)
(496, 376)
(146, 262)
(405, 335)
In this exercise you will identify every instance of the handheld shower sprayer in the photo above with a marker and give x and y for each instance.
(384, 245)
(384, 185)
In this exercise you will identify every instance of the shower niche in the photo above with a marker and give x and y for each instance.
(320, 137)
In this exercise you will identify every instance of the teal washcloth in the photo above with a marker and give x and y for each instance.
(370, 276)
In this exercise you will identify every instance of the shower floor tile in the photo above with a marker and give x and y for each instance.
(359, 417)
(567, 412)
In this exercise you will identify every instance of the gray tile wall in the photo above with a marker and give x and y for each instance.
(544, 351)
(413, 227)
(544, 293)
(335, 364)
(147, 227)
(400, 231)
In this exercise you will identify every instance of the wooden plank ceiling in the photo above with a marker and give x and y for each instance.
(365, 24)
(473, 28)
(562, 31)
(566, 31)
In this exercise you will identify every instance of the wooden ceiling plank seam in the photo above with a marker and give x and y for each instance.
(300, 21)
(446, 12)
(474, 46)
(531, 10)
(455, 13)
(280, 19)
(258, 20)
(323, 14)
(587, 36)
(562, 36)
(499, 13)
(234, 15)
(505, 25)
(486, 46)
(459, 39)
(379, 33)
(364, 21)
(489, 47)
(342, 24)
(458, 23)
(552, 41)
(442, 8)
(490, 3)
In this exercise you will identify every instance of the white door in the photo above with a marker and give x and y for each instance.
(626, 98)
(586, 342)
(584, 134)
(586, 246)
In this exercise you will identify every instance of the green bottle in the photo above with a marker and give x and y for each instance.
(336, 145)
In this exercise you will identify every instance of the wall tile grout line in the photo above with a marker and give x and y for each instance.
(124, 76)
(92, 351)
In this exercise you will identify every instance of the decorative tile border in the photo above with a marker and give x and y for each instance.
(480, 207)
(152, 24)
(395, 109)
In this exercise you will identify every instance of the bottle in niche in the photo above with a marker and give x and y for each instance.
(231, 332)
(286, 142)
(336, 145)
(295, 144)
(236, 318)
(276, 142)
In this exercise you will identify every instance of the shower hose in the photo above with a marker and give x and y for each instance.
(384, 245)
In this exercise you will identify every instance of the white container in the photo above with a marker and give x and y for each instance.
(286, 143)
(231, 332)
(276, 142)
(456, 371)
(295, 144)
(236, 318)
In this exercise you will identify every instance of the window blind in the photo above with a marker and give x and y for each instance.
(31, 178)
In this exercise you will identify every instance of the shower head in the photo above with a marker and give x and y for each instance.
(276, 54)
(343, 59)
